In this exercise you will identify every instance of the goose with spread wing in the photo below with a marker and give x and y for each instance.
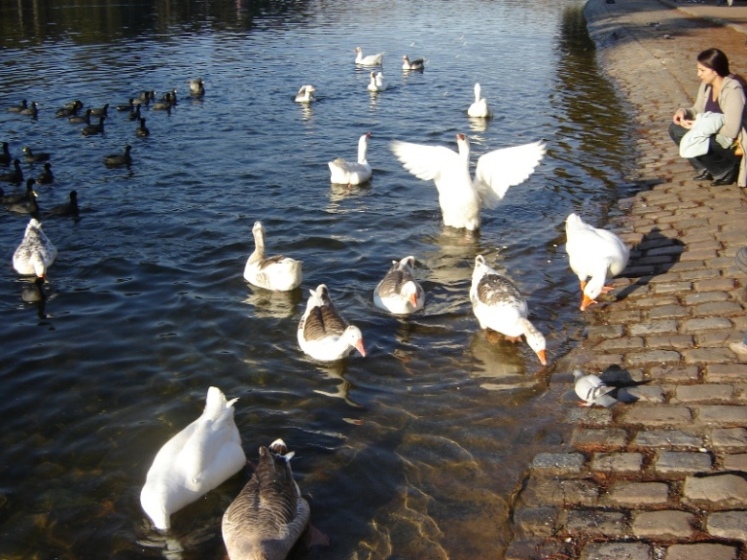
(352, 173)
(323, 334)
(595, 255)
(459, 195)
(277, 273)
(399, 292)
(499, 306)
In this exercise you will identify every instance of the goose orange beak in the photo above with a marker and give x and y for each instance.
(542, 355)
(586, 301)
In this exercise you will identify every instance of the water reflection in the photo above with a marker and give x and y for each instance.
(336, 371)
(267, 303)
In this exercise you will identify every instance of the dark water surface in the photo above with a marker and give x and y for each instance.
(410, 453)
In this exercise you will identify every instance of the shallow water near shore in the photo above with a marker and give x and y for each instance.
(411, 452)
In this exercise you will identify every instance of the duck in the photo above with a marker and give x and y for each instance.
(145, 97)
(28, 206)
(460, 196)
(479, 109)
(78, 119)
(15, 176)
(31, 157)
(398, 292)
(196, 460)
(377, 82)
(18, 108)
(592, 390)
(164, 104)
(69, 109)
(93, 129)
(277, 273)
(67, 209)
(134, 114)
(32, 110)
(5, 157)
(594, 255)
(323, 334)
(352, 173)
(36, 253)
(24, 196)
(370, 60)
(196, 87)
(142, 131)
(306, 94)
(100, 111)
(46, 177)
(119, 160)
(417, 64)
(269, 514)
(129, 106)
(499, 306)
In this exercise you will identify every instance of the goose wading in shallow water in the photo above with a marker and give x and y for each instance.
(594, 254)
(269, 515)
(398, 292)
(499, 306)
(323, 334)
(36, 253)
(479, 109)
(370, 60)
(277, 273)
(459, 195)
(306, 94)
(197, 459)
(377, 82)
(417, 64)
(352, 173)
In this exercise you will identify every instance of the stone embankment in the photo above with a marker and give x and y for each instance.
(664, 475)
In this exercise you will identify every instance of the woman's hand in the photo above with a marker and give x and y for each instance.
(679, 116)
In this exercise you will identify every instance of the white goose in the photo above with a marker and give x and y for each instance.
(479, 108)
(265, 520)
(499, 306)
(36, 253)
(193, 462)
(277, 273)
(594, 254)
(377, 82)
(417, 64)
(461, 197)
(370, 60)
(592, 390)
(323, 334)
(352, 173)
(398, 292)
(306, 94)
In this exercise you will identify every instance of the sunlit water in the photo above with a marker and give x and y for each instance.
(412, 452)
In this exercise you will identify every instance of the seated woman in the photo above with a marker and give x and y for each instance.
(723, 94)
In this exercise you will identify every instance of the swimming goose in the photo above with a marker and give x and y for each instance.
(417, 64)
(32, 111)
(594, 254)
(18, 108)
(398, 292)
(459, 195)
(352, 173)
(15, 198)
(265, 520)
(129, 106)
(306, 94)
(323, 334)
(31, 157)
(479, 108)
(28, 206)
(499, 306)
(142, 131)
(69, 109)
(5, 157)
(15, 176)
(196, 87)
(100, 111)
(164, 104)
(370, 60)
(592, 390)
(78, 119)
(46, 177)
(119, 160)
(197, 459)
(67, 209)
(377, 82)
(277, 273)
(36, 253)
(93, 129)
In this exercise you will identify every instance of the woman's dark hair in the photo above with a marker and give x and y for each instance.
(716, 60)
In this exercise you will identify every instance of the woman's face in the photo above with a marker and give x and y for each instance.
(706, 75)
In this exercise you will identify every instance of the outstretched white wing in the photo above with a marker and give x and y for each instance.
(430, 163)
(503, 168)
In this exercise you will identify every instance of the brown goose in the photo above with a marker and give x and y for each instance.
(398, 292)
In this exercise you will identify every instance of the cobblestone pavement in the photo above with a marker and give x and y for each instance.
(662, 476)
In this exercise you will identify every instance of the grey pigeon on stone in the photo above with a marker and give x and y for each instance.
(592, 390)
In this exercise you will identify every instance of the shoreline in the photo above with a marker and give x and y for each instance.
(663, 477)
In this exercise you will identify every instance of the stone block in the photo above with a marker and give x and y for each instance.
(721, 308)
(536, 549)
(625, 343)
(537, 522)
(663, 525)
(697, 298)
(638, 359)
(730, 525)
(705, 324)
(672, 287)
(735, 462)
(617, 551)
(717, 492)
(723, 414)
(649, 415)
(603, 438)
(701, 551)
(675, 439)
(604, 331)
(641, 393)
(707, 356)
(617, 462)
(675, 373)
(671, 463)
(726, 373)
(594, 416)
(676, 341)
(653, 327)
(597, 522)
(716, 284)
(565, 493)
(636, 494)
(729, 438)
(706, 392)
(558, 463)
(668, 312)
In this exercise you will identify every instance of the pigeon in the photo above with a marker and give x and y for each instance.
(592, 390)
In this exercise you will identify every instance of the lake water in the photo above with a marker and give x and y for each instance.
(412, 452)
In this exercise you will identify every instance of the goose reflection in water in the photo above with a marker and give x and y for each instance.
(336, 371)
(278, 305)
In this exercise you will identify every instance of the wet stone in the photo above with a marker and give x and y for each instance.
(701, 551)
(636, 494)
(667, 438)
(541, 522)
(603, 438)
(535, 549)
(597, 522)
(617, 551)
(682, 462)
(617, 462)
(558, 463)
(649, 415)
(665, 524)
